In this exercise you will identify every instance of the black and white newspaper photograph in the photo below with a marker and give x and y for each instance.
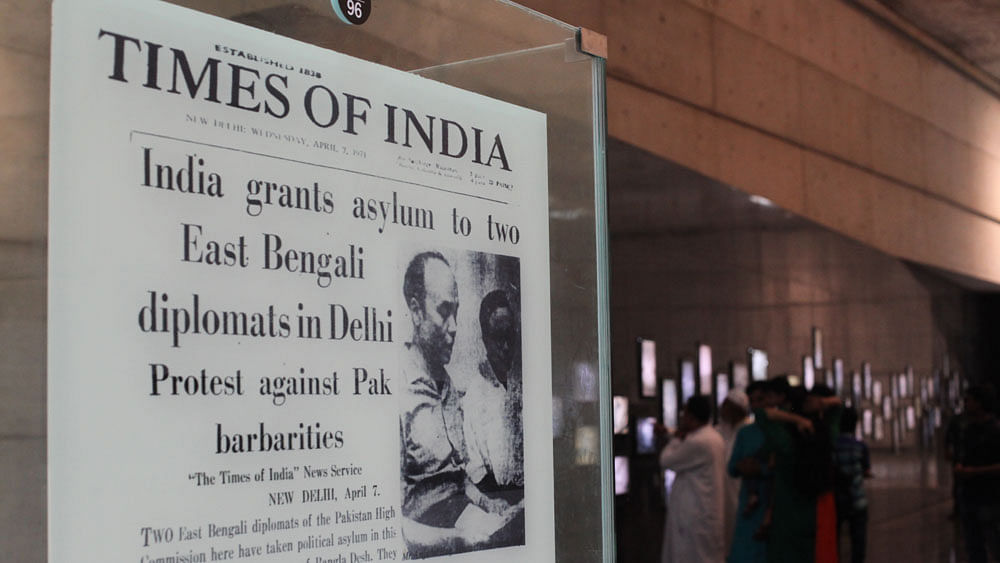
(461, 430)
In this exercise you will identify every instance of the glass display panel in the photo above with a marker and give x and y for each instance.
(867, 422)
(817, 347)
(621, 475)
(669, 403)
(721, 387)
(586, 446)
(647, 367)
(879, 428)
(741, 375)
(758, 364)
(585, 383)
(558, 416)
(705, 370)
(689, 384)
(645, 436)
(493, 48)
(620, 414)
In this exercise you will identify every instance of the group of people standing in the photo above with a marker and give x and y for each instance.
(776, 487)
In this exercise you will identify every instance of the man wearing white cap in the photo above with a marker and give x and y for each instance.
(732, 416)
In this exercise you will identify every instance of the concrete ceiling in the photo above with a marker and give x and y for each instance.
(647, 194)
(650, 195)
(971, 28)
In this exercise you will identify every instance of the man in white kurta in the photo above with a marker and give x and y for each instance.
(694, 527)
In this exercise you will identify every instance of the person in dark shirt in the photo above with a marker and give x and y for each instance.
(852, 464)
(978, 469)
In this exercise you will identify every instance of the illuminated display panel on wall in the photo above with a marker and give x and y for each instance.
(808, 372)
(647, 367)
(741, 375)
(621, 475)
(689, 383)
(705, 369)
(758, 364)
(669, 403)
(817, 342)
(645, 436)
(620, 414)
(721, 387)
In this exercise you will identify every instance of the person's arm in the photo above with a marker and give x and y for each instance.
(800, 422)
(476, 466)
(827, 402)
(975, 470)
(682, 455)
(425, 541)
(478, 498)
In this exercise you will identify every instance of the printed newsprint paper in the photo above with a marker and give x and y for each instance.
(298, 303)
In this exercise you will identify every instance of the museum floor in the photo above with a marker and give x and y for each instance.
(910, 501)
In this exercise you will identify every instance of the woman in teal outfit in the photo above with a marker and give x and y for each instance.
(746, 462)
(788, 535)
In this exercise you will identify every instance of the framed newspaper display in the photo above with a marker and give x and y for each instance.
(300, 304)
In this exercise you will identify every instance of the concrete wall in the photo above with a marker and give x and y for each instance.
(24, 87)
(819, 107)
(709, 265)
(766, 289)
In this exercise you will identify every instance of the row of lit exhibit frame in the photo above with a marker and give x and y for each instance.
(890, 406)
